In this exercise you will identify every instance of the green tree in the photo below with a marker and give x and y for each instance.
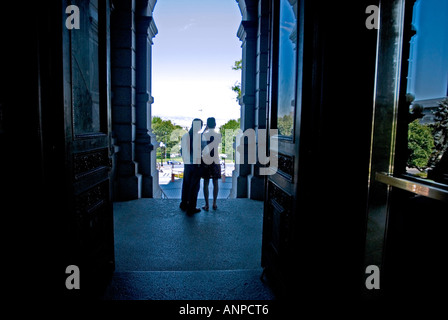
(231, 125)
(238, 65)
(237, 85)
(166, 132)
(228, 132)
(440, 132)
(284, 125)
(420, 145)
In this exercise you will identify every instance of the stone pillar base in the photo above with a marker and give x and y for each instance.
(156, 190)
(239, 186)
(256, 187)
(147, 185)
(143, 149)
(129, 188)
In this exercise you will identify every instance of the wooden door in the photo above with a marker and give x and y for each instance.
(86, 90)
(280, 188)
(407, 208)
(321, 84)
(56, 173)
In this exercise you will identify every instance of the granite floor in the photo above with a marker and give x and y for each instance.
(163, 254)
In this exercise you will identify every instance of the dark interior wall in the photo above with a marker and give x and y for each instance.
(32, 146)
(20, 110)
(337, 105)
(20, 148)
(415, 250)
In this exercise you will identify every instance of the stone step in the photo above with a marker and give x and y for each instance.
(188, 285)
(163, 254)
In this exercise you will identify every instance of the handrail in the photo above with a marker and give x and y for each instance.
(417, 187)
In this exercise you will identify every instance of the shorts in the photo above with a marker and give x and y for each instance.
(211, 171)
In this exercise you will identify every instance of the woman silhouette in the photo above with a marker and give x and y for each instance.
(211, 167)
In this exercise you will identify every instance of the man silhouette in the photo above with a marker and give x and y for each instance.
(191, 155)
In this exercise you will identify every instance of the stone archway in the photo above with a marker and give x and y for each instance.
(134, 145)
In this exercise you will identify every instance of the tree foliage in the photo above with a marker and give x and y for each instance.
(237, 85)
(167, 132)
(420, 145)
(427, 144)
(284, 125)
(228, 132)
(440, 133)
(231, 125)
(238, 65)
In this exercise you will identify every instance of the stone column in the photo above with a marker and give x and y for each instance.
(247, 33)
(255, 181)
(145, 143)
(123, 98)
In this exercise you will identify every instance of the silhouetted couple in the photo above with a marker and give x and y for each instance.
(201, 160)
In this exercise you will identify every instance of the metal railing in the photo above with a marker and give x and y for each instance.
(428, 189)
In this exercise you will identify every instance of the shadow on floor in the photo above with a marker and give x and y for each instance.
(163, 254)
(173, 189)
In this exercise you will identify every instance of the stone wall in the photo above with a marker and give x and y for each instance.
(132, 30)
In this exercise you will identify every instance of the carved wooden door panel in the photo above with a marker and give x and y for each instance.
(87, 108)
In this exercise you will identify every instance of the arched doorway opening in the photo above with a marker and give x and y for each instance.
(156, 243)
(133, 30)
(192, 77)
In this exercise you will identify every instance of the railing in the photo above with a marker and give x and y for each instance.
(418, 186)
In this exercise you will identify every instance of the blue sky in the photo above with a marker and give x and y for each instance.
(286, 60)
(192, 60)
(429, 68)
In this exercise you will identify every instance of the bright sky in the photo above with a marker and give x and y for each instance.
(431, 50)
(192, 59)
